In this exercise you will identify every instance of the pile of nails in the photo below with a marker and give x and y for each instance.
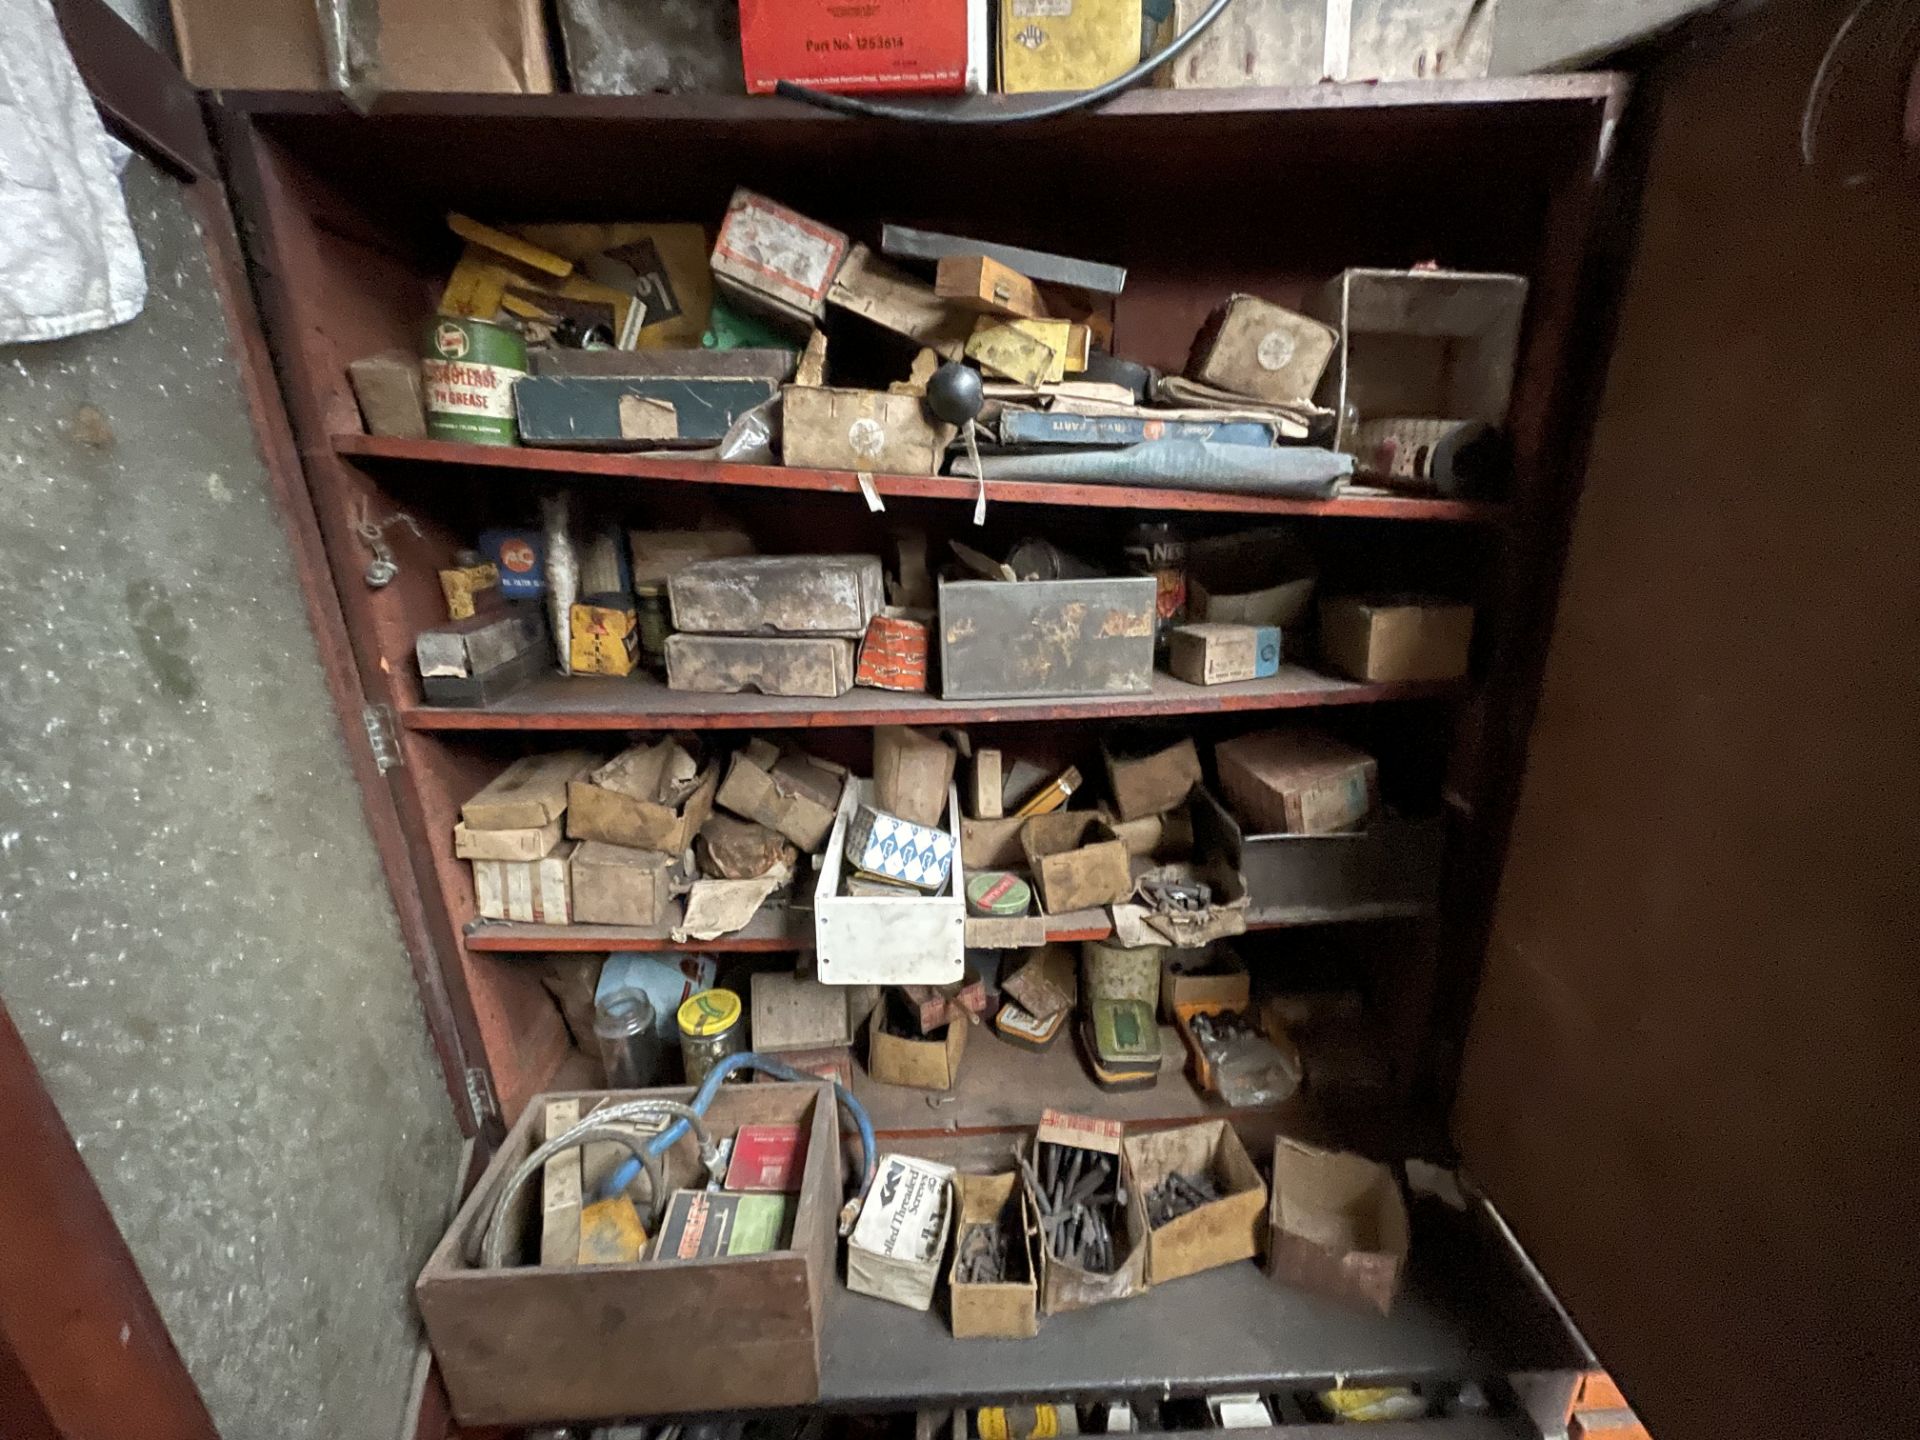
(1081, 1200)
(1217, 1029)
(1179, 1194)
(982, 1256)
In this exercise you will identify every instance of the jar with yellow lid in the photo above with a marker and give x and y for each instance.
(712, 1027)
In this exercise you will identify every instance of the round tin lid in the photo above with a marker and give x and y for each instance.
(711, 1012)
(998, 892)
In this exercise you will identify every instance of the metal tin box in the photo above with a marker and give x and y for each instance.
(1046, 639)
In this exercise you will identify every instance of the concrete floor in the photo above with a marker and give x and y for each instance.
(199, 946)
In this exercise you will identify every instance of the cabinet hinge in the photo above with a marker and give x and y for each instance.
(480, 1099)
(380, 739)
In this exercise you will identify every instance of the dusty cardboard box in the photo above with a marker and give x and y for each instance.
(827, 427)
(1439, 344)
(387, 388)
(728, 848)
(1065, 1285)
(932, 1063)
(1218, 1233)
(529, 793)
(659, 554)
(1253, 347)
(1005, 1309)
(760, 1315)
(1215, 654)
(1285, 42)
(775, 260)
(896, 1246)
(779, 595)
(893, 656)
(617, 885)
(816, 666)
(1150, 784)
(1253, 577)
(1077, 861)
(1215, 976)
(871, 288)
(527, 844)
(1050, 45)
(618, 49)
(619, 412)
(903, 939)
(534, 892)
(1395, 638)
(1040, 639)
(792, 793)
(622, 802)
(912, 772)
(1338, 1225)
(797, 1012)
(1297, 781)
(992, 844)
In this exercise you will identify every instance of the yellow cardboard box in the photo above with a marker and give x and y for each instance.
(1066, 44)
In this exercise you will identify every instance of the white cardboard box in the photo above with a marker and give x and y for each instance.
(887, 939)
(901, 1237)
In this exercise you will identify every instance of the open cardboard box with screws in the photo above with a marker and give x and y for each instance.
(1172, 1170)
(1079, 1155)
(994, 1235)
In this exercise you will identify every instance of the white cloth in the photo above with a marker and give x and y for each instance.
(68, 259)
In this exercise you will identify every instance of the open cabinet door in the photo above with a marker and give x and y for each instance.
(1690, 1082)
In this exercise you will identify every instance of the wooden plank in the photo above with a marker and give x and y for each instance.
(462, 461)
(579, 702)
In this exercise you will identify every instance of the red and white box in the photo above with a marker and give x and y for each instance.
(893, 656)
(936, 47)
(766, 1157)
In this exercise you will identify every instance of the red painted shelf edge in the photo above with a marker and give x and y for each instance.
(609, 465)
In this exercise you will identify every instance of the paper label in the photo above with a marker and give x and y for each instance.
(1333, 804)
(455, 387)
(1275, 350)
(1042, 9)
(1084, 1131)
(865, 437)
(789, 251)
(905, 1215)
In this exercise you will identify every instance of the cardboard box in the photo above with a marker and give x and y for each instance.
(1285, 42)
(1338, 1225)
(1066, 44)
(989, 784)
(895, 1250)
(1253, 347)
(1143, 785)
(1421, 343)
(1214, 654)
(620, 801)
(893, 656)
(979, 282)
(929, 1064)
(615, 885)
(387, 388)
(1065, 426)
(1046, 639)
(776, 261)
(616, 412)
(1047, 984)
(605, 637)
(797, 1012)
(1387, 639)
(534, 892)
(499, 46)
(779, 595)
(527, 844)
(825, 427)
(1018, 351)
(1076, 861)
(1297, 781)
(992, 844)
(1006, 1309)
(815, 666)
(727, 848)
(713, 1225)
(563, 1323)
(1216, 977)
(894, 300)
(885, 844)
(912, 772)
(895, 939)
(1219, 1233)
(659, 554)
(792, 793)
(1065, 1285)
(614, 48)
(766, 1159)
(923, 46)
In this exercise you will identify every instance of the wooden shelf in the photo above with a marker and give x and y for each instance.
(595, 465)
(586, 702)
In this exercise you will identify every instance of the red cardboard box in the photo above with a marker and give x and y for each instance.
(933, 46)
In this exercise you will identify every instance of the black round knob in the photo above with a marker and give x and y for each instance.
(954, 393)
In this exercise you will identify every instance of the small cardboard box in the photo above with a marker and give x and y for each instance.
(992, 844)
(912, 772)
(817, 667)
(1213, 977)
(774, 260)
(1064, 1285)
(1219, 1233)
(890, 298)
(658, 555)
(1338, 1225)
(827, 427)
(528, 844)
(1217, 654)
(619, 802)
(929, 1064)
(1076, 860)
(1007, 1309)
(1253, 347)
(532, 891)
(792, 793)
(926, 46)
(797, 1012)
(1297, 782)
(778, 595)
(895, 1250)
(616, 885)
(1048, 45)
(1395, 638)
(1152, 784)
(529, 794)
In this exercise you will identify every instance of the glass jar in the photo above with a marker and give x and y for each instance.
(630, 1047)
(712, 1027)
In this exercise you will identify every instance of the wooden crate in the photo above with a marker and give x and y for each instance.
(537, 1343)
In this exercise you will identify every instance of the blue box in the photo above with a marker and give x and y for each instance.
(884, 844)
(521, 558)
(1054, 427)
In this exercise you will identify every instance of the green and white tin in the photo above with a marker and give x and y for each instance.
(468, 371)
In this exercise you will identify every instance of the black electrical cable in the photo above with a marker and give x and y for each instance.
(881, 110)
